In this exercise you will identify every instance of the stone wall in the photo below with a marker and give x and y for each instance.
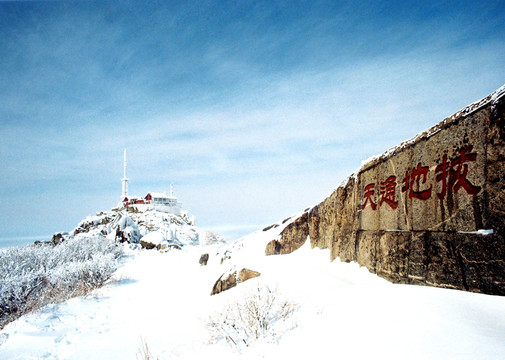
(430, 211)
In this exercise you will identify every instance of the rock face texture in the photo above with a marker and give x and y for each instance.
(430, 211)
(204, 259)
(293, 237)
(227, 282)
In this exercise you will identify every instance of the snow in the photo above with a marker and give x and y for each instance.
(342, 310)
(140, 222)
(479, 232)
(498, 94)
(154, 237)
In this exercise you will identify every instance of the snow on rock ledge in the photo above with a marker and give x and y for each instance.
(150, 228)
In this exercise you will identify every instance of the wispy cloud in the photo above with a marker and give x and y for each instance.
(253, 110)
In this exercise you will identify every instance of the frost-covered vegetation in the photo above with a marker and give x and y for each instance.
(261, 315)
(33, 276)
(165, 299)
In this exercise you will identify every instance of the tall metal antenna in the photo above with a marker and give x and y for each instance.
(124, 180)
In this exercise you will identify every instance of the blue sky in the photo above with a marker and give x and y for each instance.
(254, 110)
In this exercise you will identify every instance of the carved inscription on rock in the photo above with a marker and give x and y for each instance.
(433, 185)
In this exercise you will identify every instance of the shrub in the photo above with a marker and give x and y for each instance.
(262, 315)
(33, 276)
(144, 353)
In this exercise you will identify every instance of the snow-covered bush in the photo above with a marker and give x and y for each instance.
(213, 238)
(144, 353)
(262, 315)
(33, 276)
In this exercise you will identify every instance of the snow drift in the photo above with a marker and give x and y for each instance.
(340, 309)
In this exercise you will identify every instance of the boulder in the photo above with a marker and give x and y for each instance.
(152, 240)
(246, 274)
(204, 259)
(120, 236)
(273, 248)
(232, 279)
(79, 230)
(57, 239)
(292, 237)
(223, 284)
(147, 245)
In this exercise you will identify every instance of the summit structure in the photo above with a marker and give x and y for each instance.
(124, 180)
(159, 201)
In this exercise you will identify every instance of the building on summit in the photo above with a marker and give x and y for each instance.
(159, 201)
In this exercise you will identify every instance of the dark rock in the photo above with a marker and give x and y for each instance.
(230, 281)
(226, 256)
(79, 230)
(273, 248)
(292, 237)
(224, 284)
(246, 274)
(120, 236)
(204, 259)
(147, 245)
(270, 227)
(57, 239)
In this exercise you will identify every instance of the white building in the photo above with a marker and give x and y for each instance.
(164, 202)
(159, 201)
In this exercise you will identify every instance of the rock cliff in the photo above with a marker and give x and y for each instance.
(430, 211)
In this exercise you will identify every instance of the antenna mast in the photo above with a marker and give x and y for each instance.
(124, 180)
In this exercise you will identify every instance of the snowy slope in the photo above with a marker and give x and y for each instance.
(342, 311)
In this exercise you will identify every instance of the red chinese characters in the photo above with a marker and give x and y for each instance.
(452, 174)
(369, 192)
(414, 177)
(388, 192)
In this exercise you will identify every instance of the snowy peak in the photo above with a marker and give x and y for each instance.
(149, 227)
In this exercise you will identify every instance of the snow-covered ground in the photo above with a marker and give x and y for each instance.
(342, 311)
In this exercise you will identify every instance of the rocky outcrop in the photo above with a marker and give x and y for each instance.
(147, 245)
(57, 239)
(246, 274)
(204, 259)
(91, 222)
(165, 246)
(430, 211)
(293, 237)
(225, 256)
(270, 227)
(231, 280)
(121, 237)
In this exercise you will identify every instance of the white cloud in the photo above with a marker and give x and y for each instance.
(245, 140)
